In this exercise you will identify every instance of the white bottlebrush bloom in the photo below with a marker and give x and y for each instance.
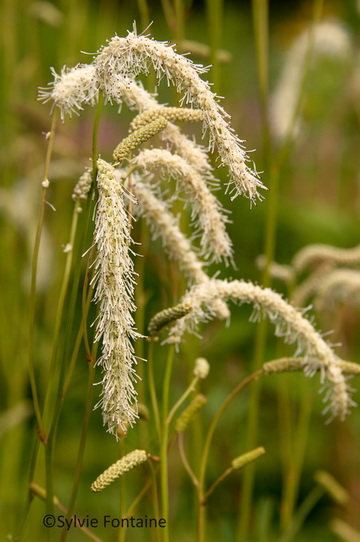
(114, 280)
(289, 323)
(72, 89)
(325, 39)
(315, 254)
(131, 56)
(205, 207)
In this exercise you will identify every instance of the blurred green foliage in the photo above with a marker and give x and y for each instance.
(319, 202)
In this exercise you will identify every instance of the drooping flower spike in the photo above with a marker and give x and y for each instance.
(132, 55)
(289, 323)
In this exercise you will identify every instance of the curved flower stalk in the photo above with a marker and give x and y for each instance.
(131, 56)
(325, 39)
(205, 206)
(289, 323)
(284, 365)
(114, 281)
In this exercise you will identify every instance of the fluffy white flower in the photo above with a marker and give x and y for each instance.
(114, 279)
(72, 89)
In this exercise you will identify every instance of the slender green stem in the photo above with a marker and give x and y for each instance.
(180, 20)
(215, 18)
(60, 315)
(66, 277)
(185, 460)
(62, 369)
(79, 338)
(294, 455)
(41, 494)
(251, 436)
(286, 425)
(144, 14)
(180, 401)
(295, 458)
(84, 434)
(122, 495)
(217, 482)
(164, 443)
(304, 509)
(155, 497)
(152, 389)
(169, 14)
(260, 20)
(205, 454)
(34, 266)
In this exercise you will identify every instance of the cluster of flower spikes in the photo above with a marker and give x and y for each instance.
(113, 73)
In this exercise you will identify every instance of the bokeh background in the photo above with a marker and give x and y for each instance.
(318, 202)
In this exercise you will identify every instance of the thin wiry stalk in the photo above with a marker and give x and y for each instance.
(205, 453)
(164, 474)
(40, 223)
